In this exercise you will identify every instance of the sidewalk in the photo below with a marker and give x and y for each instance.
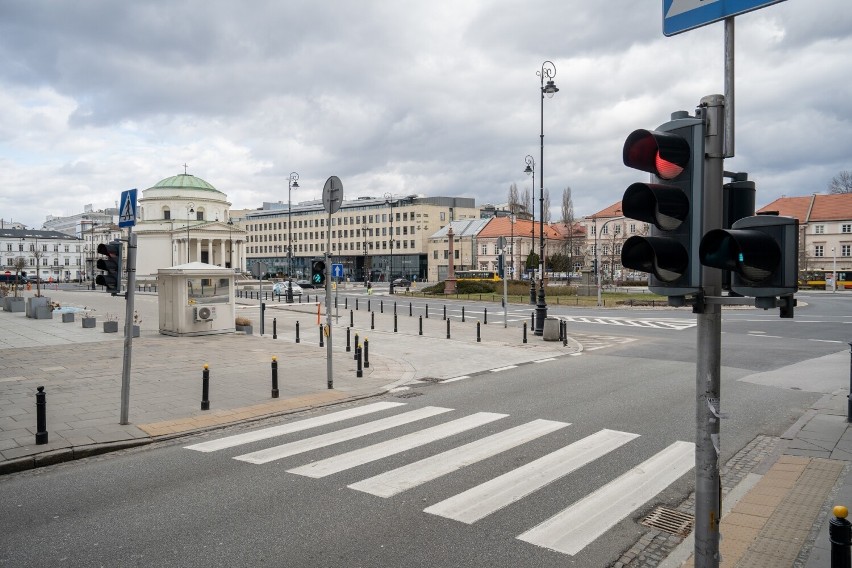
(81, 369)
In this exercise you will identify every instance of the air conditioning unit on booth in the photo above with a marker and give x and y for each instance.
(205, 313)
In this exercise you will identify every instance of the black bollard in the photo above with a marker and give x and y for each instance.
(366, 353)
(356, 304)
(410, 310)
(445, 312)
(486, 317)
(335, 301)
(427, 311)
(360, 371)
(348, 346)
(372, 320)
(394, 323)
(274, 376)
(462, 314)
(448, 329)
(564, 334)
(525, 332)
(346, 303)
(394, 308)
(356, 347)
(262, 316)
(205, 388)
(368, 305)
(41, 417)
(322, 341)
(478, 336)
(532, 320)
(300, 298)
(297, 332)
(381, 306)
(351, 318)
(274, 328)
(421, 325)
(840, 537)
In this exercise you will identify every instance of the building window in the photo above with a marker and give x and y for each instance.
(819, 250)
(819, 229)
(845, 250)
(846, 228)
(167, 215)
(605, 230)
(632, 227)
(456, 254)
(443, 216)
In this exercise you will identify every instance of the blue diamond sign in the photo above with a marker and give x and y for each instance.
(683, 15)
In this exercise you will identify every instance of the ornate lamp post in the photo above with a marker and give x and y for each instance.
(388, 200)
(292, 181)
(230, 243)
(548, 70)
(530, 170)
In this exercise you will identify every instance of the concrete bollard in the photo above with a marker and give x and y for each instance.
(274, 376)
(205, 388)
(41, 417)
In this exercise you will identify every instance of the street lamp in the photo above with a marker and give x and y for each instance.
(597, 252)
(292, 181)
(388, 201)
(230, 243)
(548, 70)
(190, 208)
(530, 170)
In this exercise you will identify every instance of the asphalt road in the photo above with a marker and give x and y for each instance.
(169, 505)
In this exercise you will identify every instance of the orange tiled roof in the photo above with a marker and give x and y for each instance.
(816, 207)
(613, 210)
(501, 226)
(796, 207)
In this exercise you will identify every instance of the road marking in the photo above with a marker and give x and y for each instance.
(482, 500)
(571, 530)
(454, 379)
(665, 323)
(827, 340)
(504, 368)
(545, 360)
(348, 460)
(404, 478)
(291, 427)
(323, 440)
(763, 334)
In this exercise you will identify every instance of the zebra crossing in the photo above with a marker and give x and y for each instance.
(676, 324)
(568, 532)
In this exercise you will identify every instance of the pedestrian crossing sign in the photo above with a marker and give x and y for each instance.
(127, 209)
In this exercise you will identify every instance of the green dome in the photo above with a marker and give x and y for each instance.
(187, 181)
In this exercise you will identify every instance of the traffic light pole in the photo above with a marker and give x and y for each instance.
(709, 347)
(328, 353)
(128, 325)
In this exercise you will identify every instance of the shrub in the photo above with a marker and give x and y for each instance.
(241, 321)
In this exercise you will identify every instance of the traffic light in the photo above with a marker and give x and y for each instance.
(112, 265)
(760, 251)
(318, 272)
(671, 203)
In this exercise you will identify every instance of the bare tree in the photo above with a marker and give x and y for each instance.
(841, 183)
(568, 222)
(18, 264)
(545, 211)
(514, 199)
(527, 200)
(38, 255)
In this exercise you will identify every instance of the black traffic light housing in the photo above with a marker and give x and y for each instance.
(111, 264)
(671, 203)
(317, 272)
(761, 252)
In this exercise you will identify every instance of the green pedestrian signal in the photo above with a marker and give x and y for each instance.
(318, 272)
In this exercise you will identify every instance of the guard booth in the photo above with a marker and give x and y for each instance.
(196, 299)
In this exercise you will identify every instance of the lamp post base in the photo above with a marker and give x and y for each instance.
(540, 311)
(532, 291)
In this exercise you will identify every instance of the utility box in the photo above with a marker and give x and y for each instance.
(196, 299)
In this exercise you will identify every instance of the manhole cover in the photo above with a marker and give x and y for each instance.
(669, 520)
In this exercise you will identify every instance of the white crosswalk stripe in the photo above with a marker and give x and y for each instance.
(403, 478)
(577, 526)
(663, 323)
(482, 500)
(291, 427)
(375, 452)
(567, 532)
(323, 440)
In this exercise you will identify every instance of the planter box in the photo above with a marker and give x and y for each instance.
(43, 313)
(136, 331)
(36, 302)
(110, 327)
(13, 304)
(89, 322)
(247, 329)
(68, 317)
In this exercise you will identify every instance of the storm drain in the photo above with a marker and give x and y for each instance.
(409, 394)
(670, 520)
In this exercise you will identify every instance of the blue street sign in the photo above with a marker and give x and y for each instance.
(127, 209)
(337, 271)
(683, 15)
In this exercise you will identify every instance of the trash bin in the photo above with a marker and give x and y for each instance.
(551, 329)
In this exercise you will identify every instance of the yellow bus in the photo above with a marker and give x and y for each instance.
(487, 275)
(817, 279)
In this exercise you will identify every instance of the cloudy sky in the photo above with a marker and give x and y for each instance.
(406, 96)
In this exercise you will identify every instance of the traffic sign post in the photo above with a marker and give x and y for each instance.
(683, 15)
(332, 199)
(127, 211)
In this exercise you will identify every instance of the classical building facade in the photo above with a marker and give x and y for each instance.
(183, 219)
(51, 255)
(605, 233)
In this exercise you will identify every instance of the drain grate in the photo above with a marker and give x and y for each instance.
(409, 394)
(670, 520)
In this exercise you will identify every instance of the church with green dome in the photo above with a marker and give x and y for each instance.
(184, 219)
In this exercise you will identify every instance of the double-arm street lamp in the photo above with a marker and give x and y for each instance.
(388, 201)
(548, 71)
(293, 181)
(530, 170)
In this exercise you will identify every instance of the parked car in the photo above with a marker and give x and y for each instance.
(404, 282)
(281, 288)
(305, 283)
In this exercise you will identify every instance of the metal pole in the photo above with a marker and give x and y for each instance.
(729, 87)
(128, 326)
(849, 396)
(505, 293)
(709, 348)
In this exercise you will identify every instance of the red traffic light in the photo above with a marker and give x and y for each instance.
(663, 154)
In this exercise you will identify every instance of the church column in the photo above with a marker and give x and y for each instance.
(198, 249)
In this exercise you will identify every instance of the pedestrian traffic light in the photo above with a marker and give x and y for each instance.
(318, 272)
(760, 251)
(111, 264)
(671, 203)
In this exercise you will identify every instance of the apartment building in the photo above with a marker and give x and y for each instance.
(51, 255)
